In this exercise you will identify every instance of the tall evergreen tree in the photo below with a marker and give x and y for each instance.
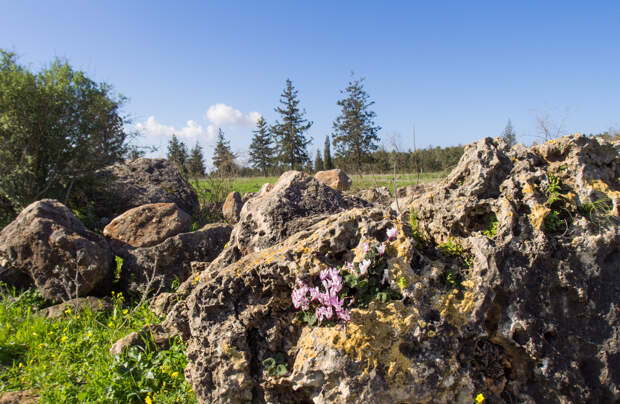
(223, 157)
(289, 134)
(261, 148)
(177, 152)
(355, 134)
(509, 134)
(327, 154)
(318, 161)
(195, 163)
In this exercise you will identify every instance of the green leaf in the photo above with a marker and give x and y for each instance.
(282, 370)
(269, 363)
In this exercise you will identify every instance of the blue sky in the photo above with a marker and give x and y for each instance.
(456, 70)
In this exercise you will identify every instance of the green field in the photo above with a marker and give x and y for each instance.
(244, 185)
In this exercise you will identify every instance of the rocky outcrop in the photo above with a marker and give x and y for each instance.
(336, 178)
(19, 397)
(232, 207)
(148, 225)
(293, 203)
(504, 282)
(157, 268)
(142, 181)
(48, 246)
(153, 335)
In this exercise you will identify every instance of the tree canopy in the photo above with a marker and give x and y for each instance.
(261, 148)
(289, 134)
(195, 162)
(223, 157)
(355, 134)
(509, 134)
(177, 153)
(57, 127)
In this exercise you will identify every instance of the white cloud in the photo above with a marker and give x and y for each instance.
(191, 131)
(211, 131)
(221, 114)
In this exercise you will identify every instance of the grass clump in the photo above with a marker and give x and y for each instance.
(491, 229)
(67, 360)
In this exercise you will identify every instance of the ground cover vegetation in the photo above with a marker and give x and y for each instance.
(67, 360)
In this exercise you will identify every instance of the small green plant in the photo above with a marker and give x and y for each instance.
(598, 212)
(118, 268)
(275, 366)
(415, 228)
(452, 248)
(451, 279)
(491, 230)
(559, 214)
(552, 222)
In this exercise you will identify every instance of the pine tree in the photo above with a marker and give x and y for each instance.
(327, 155)
(261, 148)
(318, 162)
(509, 134)
(223, 157)
(177, 153)
(289, 135)
(195, 163)
(355, 134)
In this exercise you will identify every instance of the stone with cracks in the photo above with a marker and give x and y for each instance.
(232, 207)
(155, 269)
(48, 246)
(148, 225)
(336, 178)
(140, 182)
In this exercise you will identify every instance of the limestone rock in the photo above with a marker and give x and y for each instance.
(148, 225)
(48, 245)
(75, 306)
(140, 182)
(155, 334)
(293, 203)
(490, 302)
(158, 267)
(232, 207)
(336, 178)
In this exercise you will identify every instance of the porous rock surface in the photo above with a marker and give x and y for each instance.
(159, 266)
(336, 178)
(48, 246)
(75, 306)
(232, 207)
(524, 313)
(148, 225)
(139, 182)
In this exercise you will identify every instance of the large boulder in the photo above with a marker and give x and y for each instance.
(139, 182)
(155, 269)
(48, 246)
(232, 207)
(336, 178)
(487, 297)
(148, 225)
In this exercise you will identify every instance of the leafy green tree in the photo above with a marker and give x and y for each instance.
(177, 153)
(355, 134)
(318, 161)
(223, 157)
(57, 127)
(509, 134)
(195, 163)
(261, 148)
(289, 134)
(327, 154)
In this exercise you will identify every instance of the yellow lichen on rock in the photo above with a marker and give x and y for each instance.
(455, 309)
(237, 358)
(373, 337)
(537, 217)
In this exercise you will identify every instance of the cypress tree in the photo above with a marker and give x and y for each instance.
(261, 148)
(289, 134)
(177, 152)
(355, 135)
(318, 161)
(509, 134)
(327, 155)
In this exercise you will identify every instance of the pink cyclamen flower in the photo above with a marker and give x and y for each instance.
(349, 266)
(300, 298)
(392, 233)
(381, 249)
(343, 315)
(323, 312)
(363, 266)
(366, 247)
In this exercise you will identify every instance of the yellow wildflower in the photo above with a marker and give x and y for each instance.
(148, 400)
(125, 311)
(63, 338)
(174, 374)
(479, 398)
